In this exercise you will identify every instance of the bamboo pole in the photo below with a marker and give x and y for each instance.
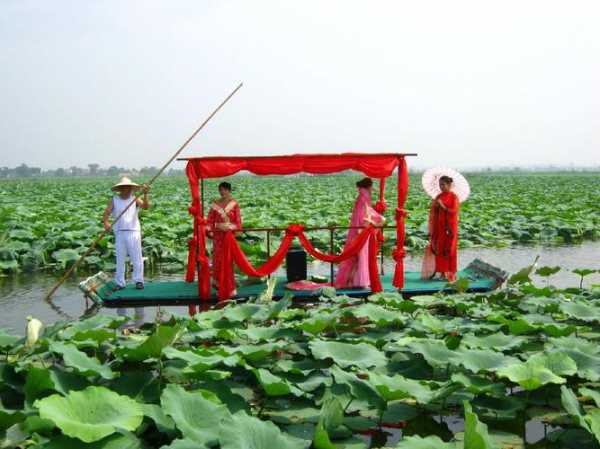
(148, 184)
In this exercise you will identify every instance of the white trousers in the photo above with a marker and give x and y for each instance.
(129, 243)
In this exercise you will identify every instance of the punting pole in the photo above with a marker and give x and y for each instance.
(149, 183)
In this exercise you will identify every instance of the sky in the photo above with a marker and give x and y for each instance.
(462, 83)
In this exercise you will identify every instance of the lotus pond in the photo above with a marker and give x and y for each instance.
(46, 223)
(516, 368)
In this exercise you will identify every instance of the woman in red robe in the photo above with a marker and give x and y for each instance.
(441, 253)
(224, 215)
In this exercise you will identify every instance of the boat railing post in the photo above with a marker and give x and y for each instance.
(331, 232)
(268, 248)
(382, 255)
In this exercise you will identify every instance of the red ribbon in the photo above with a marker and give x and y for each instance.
(398, 254)
(294, 230)
(232, 253)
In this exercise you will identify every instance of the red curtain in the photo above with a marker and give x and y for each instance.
(197, 258)
(233, 252)
(372, 165)
(353, 249)
(398, 252)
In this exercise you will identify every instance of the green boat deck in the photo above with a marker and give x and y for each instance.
(100, 288)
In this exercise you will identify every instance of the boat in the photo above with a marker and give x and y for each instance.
(100, 289)
(195, 289)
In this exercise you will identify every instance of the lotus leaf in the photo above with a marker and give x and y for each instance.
(592, 394)
(398, 387)
(530, 375)
(198, 418)
(430, 442)
(434, 351)
(360, 389)
(153, 345)
(476, 360)
(274, 385)
(581, 311)
(332, 416)
(116, 441)
(7, 340)
(241, 431)
(497, 341)
(361, 355)
(476, 432)
(91, 414)
(79, 360)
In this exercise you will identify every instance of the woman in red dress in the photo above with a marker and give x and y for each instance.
(441, 253)
(224, 215)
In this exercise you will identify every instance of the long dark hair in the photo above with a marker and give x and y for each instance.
(365, 183)
(225, 185)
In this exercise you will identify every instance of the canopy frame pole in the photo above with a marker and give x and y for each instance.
(202, 196)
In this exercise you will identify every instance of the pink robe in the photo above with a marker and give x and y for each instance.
(221, 219)
(354, 272)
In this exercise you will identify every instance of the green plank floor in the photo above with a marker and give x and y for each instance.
(180, 292)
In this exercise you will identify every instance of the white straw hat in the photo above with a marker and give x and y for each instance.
(125, 182)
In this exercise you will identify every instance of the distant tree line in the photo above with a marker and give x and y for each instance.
(24, 171)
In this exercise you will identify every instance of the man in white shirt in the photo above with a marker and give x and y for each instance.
(128, 234)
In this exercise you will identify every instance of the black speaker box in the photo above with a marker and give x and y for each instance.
(295, 261)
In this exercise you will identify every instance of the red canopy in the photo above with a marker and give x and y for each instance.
(372, 165)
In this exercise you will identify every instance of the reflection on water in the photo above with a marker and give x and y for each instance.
(23, 295)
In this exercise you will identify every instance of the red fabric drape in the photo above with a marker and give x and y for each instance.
(233, 253)
(190, 273)
(372, 165)
(380, 205)
(197, 259)
(398, 252)
(356, 245)
(375, 165)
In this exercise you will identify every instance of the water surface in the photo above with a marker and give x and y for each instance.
(23, 295)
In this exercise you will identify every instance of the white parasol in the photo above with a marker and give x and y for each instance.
(431, 182)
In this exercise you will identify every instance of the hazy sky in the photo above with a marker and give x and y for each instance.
(462, 83)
